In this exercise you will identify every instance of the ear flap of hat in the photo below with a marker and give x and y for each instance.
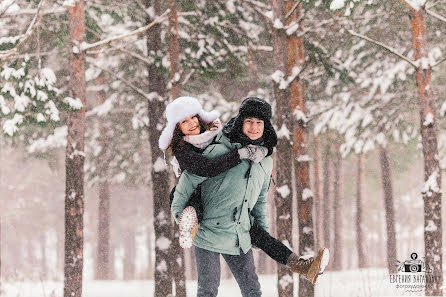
(166, 136)
(210, 116)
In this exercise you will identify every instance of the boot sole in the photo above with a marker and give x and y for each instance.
(188, 224)
(319, 264)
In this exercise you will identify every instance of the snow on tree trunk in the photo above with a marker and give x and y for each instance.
(283, 194)
(296, 60)
(74, 160)
(178, 268)
(359, 210)
(386, 175)
(327, 196)
(174, 50)
(317, 193)
(103, 246)
(160, 178)
(338, 211)
(432, 173)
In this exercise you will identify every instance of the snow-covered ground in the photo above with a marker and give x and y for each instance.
(355, 283)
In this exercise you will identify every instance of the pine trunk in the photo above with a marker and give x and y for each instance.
(149, 273)
(432, 173)
(386, 176)
(296, 60)
(129, 255)
(317, 193)
(337, 209)
(283, 193)
(174, 50)
(178, 269)
(103, 246)
(359, 208)
(74, 161)
(160, 178)
(327, 196)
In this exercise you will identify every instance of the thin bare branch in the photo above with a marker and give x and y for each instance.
(32, 26)
(188, 76)
(293, 9)
(125, 81)
(436, 15)
(439, 62)
(24, 12)
(387, 48)
(433, 4)
(6, 9)
(159, 19)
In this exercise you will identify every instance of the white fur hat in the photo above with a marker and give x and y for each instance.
(179, 109)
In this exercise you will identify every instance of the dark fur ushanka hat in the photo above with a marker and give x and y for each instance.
(256, 108)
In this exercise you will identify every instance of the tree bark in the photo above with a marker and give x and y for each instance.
(174, 50)
(74, 190)
(103, 245)
(296, 60)
(327, 196)
(129, 255)
(432, 172)
(160, 178)
(283, 194)
(359, 209)
(337, 209)
(317, 193)
(178, 269)
(386, 176)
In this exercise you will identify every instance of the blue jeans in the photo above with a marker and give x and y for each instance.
(242, 267)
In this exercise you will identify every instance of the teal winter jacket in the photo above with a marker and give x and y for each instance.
(231, 201)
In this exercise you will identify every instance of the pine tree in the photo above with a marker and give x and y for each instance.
(74, 191)
(283, 194)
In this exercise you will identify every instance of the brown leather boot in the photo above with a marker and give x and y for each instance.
(311, 267)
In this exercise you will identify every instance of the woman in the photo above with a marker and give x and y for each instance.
(189, 131)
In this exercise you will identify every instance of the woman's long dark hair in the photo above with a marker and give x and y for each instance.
(177, 143)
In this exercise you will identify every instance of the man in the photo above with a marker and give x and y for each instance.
(233, 202)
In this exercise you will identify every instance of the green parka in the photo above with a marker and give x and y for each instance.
(231, 201)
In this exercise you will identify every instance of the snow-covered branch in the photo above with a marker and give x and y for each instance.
(387, 48)
(32, 26)
(436, 15)
(414, 4)
(6, 8)
(125, 81)
(187, 78)
(86, 47)
(24, 12)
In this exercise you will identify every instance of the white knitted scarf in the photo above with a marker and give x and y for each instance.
(200, 141)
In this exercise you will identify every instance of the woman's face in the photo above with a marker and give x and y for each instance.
(190, 126)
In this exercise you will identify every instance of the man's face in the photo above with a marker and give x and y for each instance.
(253, 128)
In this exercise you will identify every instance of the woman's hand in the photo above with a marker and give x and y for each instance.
(254, 153)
